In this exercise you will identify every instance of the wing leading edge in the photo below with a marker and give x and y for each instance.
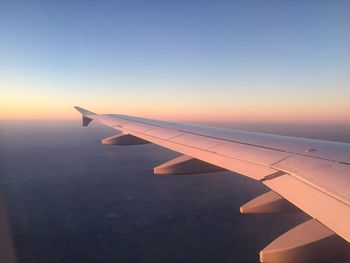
(313, 175)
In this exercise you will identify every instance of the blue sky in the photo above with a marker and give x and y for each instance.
(212, 56)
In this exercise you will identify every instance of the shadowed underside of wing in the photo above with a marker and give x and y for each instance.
(313, 175)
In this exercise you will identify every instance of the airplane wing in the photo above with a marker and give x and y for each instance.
(303, 174)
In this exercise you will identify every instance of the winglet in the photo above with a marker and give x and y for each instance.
(83, 111)
(86, 115)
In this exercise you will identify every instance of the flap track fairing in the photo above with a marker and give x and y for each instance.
(268, 203)
(185, 165)
(123, 139)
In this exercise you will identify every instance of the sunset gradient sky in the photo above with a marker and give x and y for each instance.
(258, 61)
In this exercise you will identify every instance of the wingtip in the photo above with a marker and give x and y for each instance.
(83, 111)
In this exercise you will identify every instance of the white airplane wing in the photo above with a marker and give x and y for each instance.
(303, 174)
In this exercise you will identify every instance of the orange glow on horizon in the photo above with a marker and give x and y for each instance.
(20, 99)
(197, 113)
(16, 103)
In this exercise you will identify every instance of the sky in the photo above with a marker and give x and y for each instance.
(253, 61)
